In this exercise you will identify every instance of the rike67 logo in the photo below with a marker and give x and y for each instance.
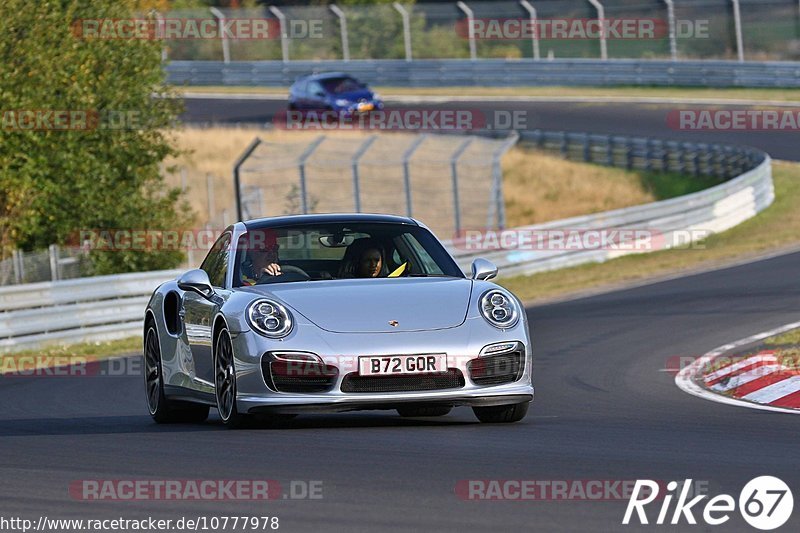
(765, 503)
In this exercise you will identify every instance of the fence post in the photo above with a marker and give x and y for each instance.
(301, 162)
(406, 28)
(587, 149)
(53, 249)
(284, 34)
(237, 178)
(473, 54)
(498, 208)
(160, 33)
(19, 266)
(737, 25)
(226, 49)
(673, 45)
(628, 153)
(533, 18)
(407, 173)
(210, 195)
(356, 157)
(343, 29)
(601, 19)
(454, 175)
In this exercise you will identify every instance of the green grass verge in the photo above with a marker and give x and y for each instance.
(777, 227)
(92, 350)
(734, 93)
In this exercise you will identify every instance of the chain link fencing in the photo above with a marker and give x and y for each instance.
(702, 29)
(450, 181)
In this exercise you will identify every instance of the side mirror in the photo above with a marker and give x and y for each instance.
(196, 280)
(483, 269)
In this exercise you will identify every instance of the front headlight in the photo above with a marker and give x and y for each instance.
(341, 102)
(499, 309)
(269, 318)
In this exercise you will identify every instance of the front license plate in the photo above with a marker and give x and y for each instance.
(387, 365)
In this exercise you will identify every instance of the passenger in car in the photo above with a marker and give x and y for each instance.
(364, 258)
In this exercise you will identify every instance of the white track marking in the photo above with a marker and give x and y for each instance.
(776, 391)
(738, 366)
(685, 379)
(746, 377)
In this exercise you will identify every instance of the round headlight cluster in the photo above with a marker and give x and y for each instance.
(270, 318)
(499, 309)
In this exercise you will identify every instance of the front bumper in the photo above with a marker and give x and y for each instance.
(462, 344)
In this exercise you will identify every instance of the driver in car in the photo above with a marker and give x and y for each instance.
(262, 259)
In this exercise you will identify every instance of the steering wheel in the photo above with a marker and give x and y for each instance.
(288, 273)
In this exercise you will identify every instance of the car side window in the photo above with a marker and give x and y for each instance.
(302, 88)
(216, 262)
(314, 89)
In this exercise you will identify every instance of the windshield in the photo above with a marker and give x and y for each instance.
(341, 85)
(339, 251)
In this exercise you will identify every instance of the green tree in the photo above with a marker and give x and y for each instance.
(55, 183)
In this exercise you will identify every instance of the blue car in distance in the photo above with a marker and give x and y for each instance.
(332, 91)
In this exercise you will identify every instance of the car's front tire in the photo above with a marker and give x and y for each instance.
(162, 409)
(502, 414)
(225, 382)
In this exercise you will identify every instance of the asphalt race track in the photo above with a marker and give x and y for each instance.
(604, 407)
(604, 410)
(619, 119)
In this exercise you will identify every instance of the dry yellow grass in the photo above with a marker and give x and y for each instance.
(537, 186)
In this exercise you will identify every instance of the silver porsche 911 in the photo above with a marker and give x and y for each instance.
(328, 313)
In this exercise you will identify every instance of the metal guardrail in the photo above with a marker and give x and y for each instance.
(109, 307)
(495, 72)
(676, 221)
(79, 310)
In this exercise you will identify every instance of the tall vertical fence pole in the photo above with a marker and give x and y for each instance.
(473, 53)
(406, 28)
(343, 30)
(601, 19)
(454, 176)
(226, 48)
(737, 25)
(237, 182)
(301, 165)
(673, 45)
(356, 158)
(407, 171)
(284, 32)
(533, 18)
(498, 207)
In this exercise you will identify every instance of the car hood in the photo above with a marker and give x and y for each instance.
(354, 96)
(369, 305)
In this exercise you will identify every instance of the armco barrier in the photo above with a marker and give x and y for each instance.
(495, 72)
(109, 307)
(77, 310)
